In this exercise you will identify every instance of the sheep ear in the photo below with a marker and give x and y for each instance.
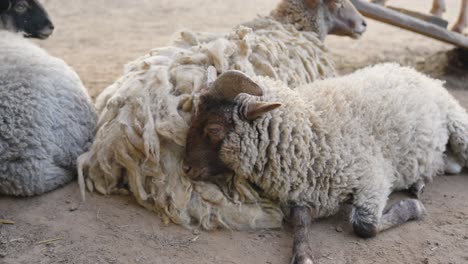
(255, 110)
(4, 6)
(232, 83)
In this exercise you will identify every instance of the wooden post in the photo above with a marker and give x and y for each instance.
(407, 22)
(428, 18)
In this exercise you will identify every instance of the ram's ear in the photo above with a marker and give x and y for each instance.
(255, 110)
(4, 5)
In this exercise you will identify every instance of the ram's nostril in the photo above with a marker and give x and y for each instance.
(364, 24)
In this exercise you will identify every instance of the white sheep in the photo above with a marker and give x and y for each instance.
(353, 139)
(46, 118)
(142, 125)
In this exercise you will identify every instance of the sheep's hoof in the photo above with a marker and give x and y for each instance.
(365, 230)
(417, 209)
(417, 189)
(301, 258)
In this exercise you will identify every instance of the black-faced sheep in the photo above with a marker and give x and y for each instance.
(352, 139)
(46, 118)
(27, 16)
(141, 136)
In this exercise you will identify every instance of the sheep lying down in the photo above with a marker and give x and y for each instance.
(143, 117)
(143, 122)
(352, 139)
(47, 118)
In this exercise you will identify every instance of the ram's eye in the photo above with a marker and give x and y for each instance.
(215, 132)
(21, 7)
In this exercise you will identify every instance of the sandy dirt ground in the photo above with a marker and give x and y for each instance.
(97, 37)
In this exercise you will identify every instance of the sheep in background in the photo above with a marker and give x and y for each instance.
(336, 17)
(46, 119)
(353, 139)
(26, 16)
(143, 116)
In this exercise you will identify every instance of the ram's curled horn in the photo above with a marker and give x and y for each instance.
(232, 83)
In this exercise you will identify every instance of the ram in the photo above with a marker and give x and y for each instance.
(355, 139)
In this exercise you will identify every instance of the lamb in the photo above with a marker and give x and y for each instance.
(352, 139)
(47, 119)
(26, 16)
(143, 116)
(438, 8)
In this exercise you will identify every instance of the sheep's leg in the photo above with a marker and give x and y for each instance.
(417, 189)
(367, 223)
(365, 220)
(438, 8)
(369, 203)
(400, 213)
(301, 219)
(462, 18)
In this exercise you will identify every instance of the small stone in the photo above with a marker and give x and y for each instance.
(67, 201)
(3, 254)
(445, 196)
(465, 237)
(338, 229)
(425, 261)
(73, 208)
(261, 235)
(196, 232)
